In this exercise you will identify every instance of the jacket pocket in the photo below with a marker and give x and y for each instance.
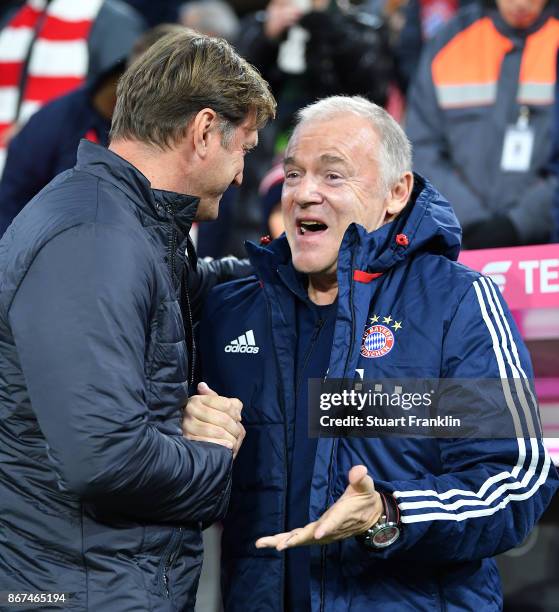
(168, 558)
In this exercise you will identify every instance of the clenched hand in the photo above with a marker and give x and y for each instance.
(213, 418)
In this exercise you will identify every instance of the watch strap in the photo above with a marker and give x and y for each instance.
(390, 508)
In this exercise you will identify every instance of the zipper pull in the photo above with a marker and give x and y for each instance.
(317, 328)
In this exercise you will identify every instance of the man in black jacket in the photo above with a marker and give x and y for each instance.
(101, 497)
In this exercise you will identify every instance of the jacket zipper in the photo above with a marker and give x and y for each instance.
(285, 459)
(192, 347)
(171, 245)
(171, 248)
(317, 329)
(170, 559)
(185, 299)
(352, 341)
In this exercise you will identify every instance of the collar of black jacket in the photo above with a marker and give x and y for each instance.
(157, 204)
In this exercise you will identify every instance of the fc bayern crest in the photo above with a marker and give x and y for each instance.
(378, 341)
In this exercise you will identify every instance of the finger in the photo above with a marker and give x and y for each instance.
(195, 427)
(204, 389)
(218, 402)
(236, 407)
(207, 430)
(240, 439)
(360, 481)
(300, 537)
(219, 441)
(271, 541)
(213, 416)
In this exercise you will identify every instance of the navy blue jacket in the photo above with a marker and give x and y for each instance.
(461, 500)
(100, 494)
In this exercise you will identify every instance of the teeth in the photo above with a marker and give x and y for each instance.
(306, 225)
(310, 226)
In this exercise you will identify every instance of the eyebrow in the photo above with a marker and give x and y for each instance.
(332, 159)
(324, 159)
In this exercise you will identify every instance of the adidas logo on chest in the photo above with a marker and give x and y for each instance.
(245, 343)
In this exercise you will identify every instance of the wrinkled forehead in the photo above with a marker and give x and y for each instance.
(346, 137)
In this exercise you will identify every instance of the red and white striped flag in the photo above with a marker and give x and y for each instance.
(43, 55)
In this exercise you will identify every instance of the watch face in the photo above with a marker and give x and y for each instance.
(386, 536)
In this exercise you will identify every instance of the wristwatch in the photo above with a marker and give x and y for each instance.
(387, 529)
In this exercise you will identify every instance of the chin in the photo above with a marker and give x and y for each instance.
(313, 265)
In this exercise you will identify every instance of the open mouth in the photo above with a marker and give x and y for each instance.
(310, 226)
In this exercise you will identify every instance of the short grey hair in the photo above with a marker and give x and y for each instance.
(395, 155)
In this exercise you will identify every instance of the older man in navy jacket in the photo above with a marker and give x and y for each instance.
(366, 282)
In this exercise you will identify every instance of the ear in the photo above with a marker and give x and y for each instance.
(398, 196)
(204, 129)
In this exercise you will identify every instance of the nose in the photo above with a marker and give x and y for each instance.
(307, 191)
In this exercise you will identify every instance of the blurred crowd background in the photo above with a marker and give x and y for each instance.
(473, 82)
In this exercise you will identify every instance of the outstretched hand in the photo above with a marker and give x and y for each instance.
(358, 509)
